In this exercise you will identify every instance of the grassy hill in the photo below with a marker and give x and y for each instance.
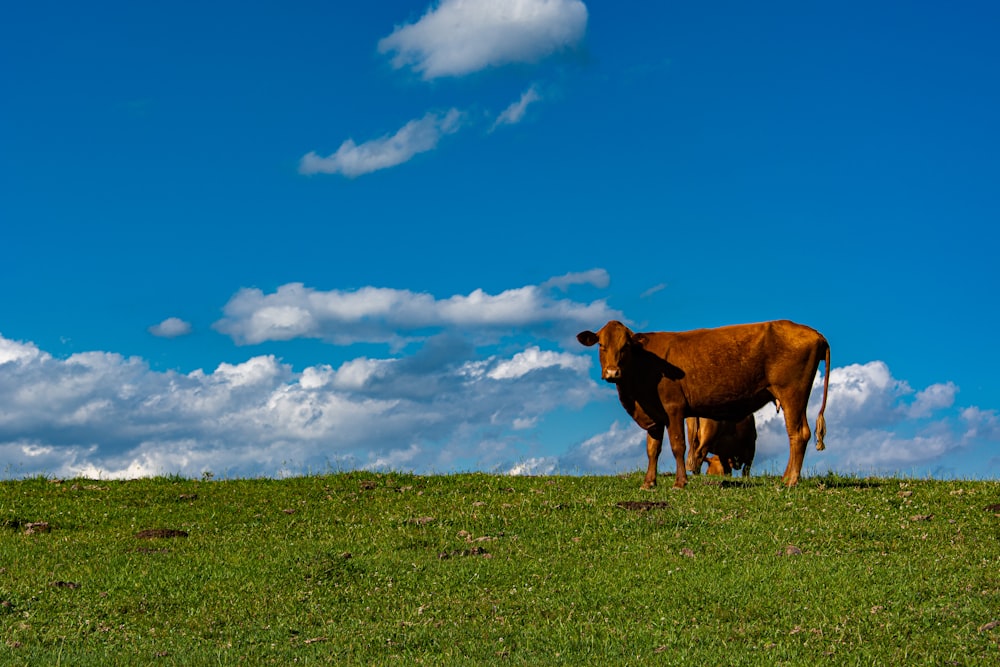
(360, 568)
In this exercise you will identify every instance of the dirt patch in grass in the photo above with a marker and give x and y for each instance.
(474, 551)
(643, 505)
(155, 533)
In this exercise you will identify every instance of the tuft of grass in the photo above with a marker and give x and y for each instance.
(364, 568)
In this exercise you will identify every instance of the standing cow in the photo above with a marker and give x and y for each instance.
(734, 444)
(724, 373)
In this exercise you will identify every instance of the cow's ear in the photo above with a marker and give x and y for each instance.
(587, 338)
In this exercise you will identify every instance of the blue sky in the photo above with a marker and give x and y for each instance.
(256, 239)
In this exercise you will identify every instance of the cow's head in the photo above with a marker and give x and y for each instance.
(616, 341)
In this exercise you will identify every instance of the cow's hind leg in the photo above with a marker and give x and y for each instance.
(696, 452)
(675, 430)
(798, 437)
(654, 443)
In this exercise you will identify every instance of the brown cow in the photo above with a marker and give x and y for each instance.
(724, 373)
(733, 443)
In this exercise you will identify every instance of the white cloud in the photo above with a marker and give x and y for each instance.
(981, 424)
(417, 136)
(935, 397)
(535, 465)
(533, 358)
(458, 37)
(103, 415)
(621, 447)
(172, 327)
(515, 112)
(11, 351)
(385, 315)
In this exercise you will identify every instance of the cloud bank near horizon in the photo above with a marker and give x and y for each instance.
(99, 414)
(453, 402)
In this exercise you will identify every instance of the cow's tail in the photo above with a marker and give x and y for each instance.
(821, 420)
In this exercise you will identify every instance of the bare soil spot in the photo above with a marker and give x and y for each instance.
(643, 505)
(995, 508)
(790, 550)
(474, 551)
(37, 527)
(64, 584)
(156, 533)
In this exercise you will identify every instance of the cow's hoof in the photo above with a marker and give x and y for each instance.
(648, 486)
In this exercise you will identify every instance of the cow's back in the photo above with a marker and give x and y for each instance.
(725, 372)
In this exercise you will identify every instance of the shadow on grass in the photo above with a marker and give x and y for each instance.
(833, 481)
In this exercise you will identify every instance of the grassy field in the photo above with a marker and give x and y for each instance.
(360, 568)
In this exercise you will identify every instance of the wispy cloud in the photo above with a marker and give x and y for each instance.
(458, 37)
(172, 327)
(417, 136)
(515, 112)
(653, 290)
(596, 277)
(385, 315)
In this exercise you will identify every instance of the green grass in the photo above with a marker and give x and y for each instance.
(472, 569)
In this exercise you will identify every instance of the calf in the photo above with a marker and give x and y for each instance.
(733, 443)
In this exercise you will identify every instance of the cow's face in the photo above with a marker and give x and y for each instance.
(615, 340)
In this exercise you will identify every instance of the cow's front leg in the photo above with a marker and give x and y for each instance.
(675, 431)
(654, 443)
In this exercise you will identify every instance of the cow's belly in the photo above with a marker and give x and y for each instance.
(729, 407)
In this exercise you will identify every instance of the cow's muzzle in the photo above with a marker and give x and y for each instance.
(612, 374)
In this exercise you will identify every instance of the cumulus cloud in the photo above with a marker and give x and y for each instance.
(458, 37)
(172, 327)
(515, 112)
(11, 350)
(100, 414)
(534, 358)
(417, 136)
(385, 315)
(875, 423)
